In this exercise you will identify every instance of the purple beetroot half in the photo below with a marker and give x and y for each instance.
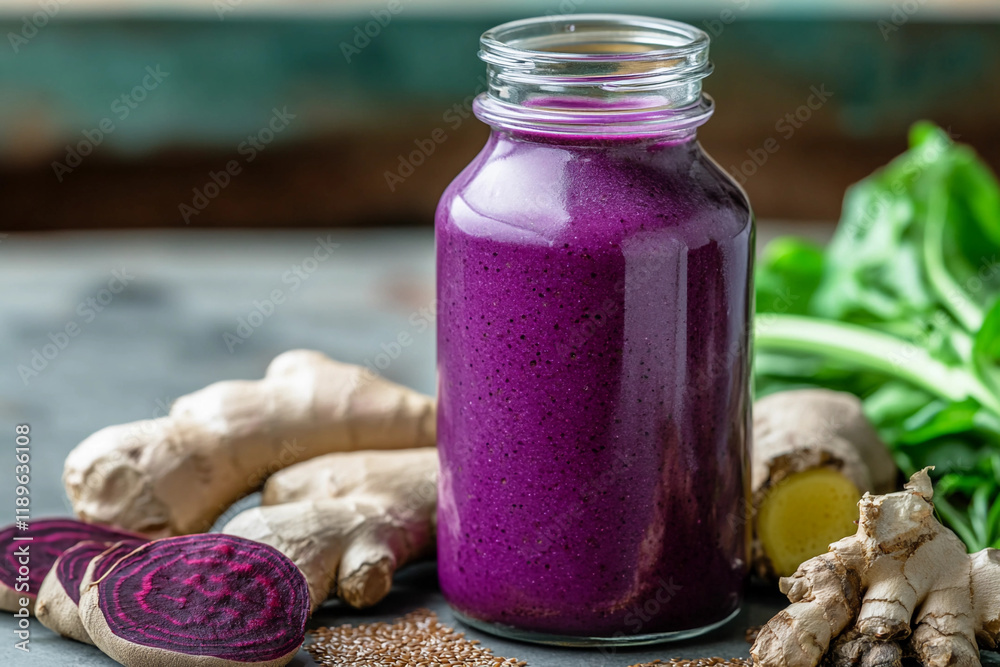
(209, 595)
(49, 539)
(72, 565)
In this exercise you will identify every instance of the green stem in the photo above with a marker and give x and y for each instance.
(872, 350)
(994, 518)
(958, 523)
(948, 291)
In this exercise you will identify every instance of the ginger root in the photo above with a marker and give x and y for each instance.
(348, 521)
(814, 454)
(903, 584)
(176, 474)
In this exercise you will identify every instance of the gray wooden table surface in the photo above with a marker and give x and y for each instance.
(164, 335)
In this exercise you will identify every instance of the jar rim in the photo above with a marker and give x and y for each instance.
(532, 43)
(603, 74)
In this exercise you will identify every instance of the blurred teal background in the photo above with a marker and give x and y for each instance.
(89, 138)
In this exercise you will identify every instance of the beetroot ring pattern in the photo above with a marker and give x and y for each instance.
(211, 595)
(49, 539)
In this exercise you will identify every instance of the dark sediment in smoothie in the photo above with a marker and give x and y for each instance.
(593, 415)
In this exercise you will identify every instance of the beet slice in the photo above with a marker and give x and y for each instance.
(73, 563)
(59, 596)
(205, 600)
(49, 539)
(102, 565)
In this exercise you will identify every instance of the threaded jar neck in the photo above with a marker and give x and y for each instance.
(595, 75)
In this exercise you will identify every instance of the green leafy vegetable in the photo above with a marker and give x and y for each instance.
(903, 309)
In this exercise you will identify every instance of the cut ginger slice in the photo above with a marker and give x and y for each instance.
(803, 514)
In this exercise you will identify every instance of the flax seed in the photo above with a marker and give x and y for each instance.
(418, 639)
(700, 662)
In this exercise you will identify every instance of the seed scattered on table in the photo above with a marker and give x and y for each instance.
(700, 662)
(418, 639)
(751, 633)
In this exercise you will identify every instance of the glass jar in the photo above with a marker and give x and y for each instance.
(594, 309)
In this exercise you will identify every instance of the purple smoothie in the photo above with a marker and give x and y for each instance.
(593, 386)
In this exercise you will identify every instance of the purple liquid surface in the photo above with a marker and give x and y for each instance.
(593, 387)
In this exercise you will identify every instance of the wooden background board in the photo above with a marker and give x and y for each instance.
(353, 120)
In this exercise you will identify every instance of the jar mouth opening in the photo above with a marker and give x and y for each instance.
(599, 73)
(615, 44)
